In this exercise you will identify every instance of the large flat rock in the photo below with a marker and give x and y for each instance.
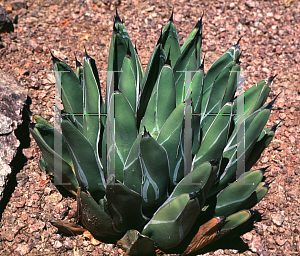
(12, 99)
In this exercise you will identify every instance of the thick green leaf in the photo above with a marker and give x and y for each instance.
(197, 85)
(197, 31)
(254, 98)
(86, 162)
(161, 104)
(262, 142)
(198, 181)
(218, 66)
(215, 139)
(44, 136)
(212, 99)
(125, 206)
(170, 41)
(132, 172)
(186, 62)
(229, 172)
(94, 218)
(125, 132)
(233, 221)
(169, 138)
(93, 102)
(257, 195)
(233, 197)
(127, 83)
(175, 218)
(155, 64)
(71, 91)
(155, 169)
(135, 243)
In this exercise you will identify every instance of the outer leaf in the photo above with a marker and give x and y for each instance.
(262, 142)
(198, 181)
(124, 205)
(231, 198)
(170, 41)
(218, 66)
(93, 101)
(254, 97)
(71, 91)
(212, 99)
(186, 62)
(215, 139)
(174, 218)
(135, 243)
(94, 218)
(53, 160)
(251, 135)
(233, 221)
(79, 72)
(155, 168)
(86, 161)
(196, 31)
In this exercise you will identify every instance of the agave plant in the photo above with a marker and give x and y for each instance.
(156, 165)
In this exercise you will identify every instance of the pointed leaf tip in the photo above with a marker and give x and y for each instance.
(270, 79)
(159, 41)
(274, 127)
(145, 133)
(214, 162)
(171, 18)
(202, 64)
(117, 17)
(271, 103)
(78, 64)
(238, 42)
(54, 59)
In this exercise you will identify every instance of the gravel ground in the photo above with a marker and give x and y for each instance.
(270, 42)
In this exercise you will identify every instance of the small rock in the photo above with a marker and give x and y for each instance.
(20, 203)
(23, 249)
(53, 199)
(250, 4)
(60, 210)
(36, 226)
(57, 244)
(248, 236)
(277, 219)
(280, 241)
(68, 243)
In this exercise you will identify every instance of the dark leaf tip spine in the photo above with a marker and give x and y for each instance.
(274, 127)
(54, 59)
(171, 19)
(78, 64)
(117, 17)
(271, 103)
(270, 79)
(145, 134)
